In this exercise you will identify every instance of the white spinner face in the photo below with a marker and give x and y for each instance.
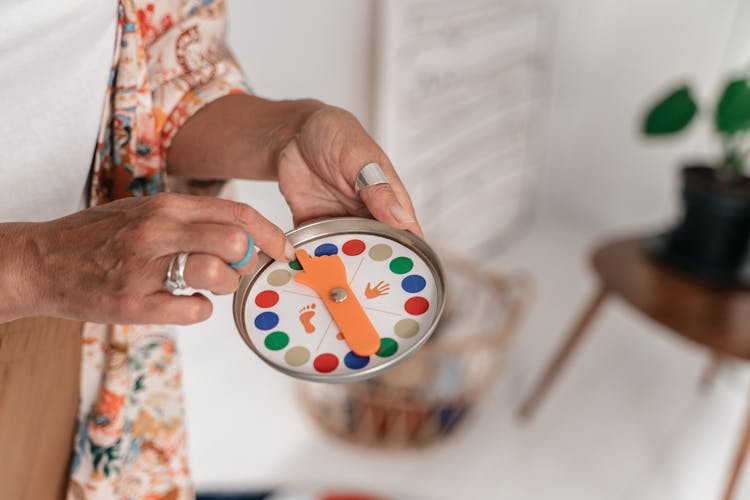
(290, 327)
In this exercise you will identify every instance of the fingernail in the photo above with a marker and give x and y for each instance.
(402, 215)
(289, 251)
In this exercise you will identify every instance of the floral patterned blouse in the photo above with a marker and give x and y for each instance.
(170, 59)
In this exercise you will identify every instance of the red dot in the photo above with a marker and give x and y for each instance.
(326, 363)
(353, 247)
(267, 298)
(416, 305)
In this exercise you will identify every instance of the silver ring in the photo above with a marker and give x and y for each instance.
(369, 175)
(176, 274)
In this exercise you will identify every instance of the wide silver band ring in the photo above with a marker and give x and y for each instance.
(369, 175)
(175, 281)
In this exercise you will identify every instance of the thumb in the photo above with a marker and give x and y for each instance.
(382, 203)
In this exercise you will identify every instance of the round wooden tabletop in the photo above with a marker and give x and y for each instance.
(717, 318)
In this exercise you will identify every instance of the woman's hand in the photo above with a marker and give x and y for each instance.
(317, 170)
(108, 264)
(315, 151)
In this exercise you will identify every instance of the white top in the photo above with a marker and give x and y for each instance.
(55, 58)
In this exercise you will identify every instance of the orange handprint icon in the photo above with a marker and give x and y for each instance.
(380, 288)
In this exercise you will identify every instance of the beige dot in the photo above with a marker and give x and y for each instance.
(406, 328)
(380, 252)
(297, 356)
(279, 277)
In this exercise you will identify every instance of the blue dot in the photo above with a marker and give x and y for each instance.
(266, 320)
(326, 249)
(413, 283)
(355, 362)
(450, 416)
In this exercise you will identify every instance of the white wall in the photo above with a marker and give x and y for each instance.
(609, 58)
(295, 49)
(298, 48)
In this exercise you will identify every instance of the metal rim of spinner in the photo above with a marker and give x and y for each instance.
(348, 226)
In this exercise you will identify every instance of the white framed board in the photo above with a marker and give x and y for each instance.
(458, 92)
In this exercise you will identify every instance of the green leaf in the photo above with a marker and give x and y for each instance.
(138, 384)
(733, 110)
(672, 113)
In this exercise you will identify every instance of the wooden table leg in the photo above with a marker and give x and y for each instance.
(553, 369)
(739, 459)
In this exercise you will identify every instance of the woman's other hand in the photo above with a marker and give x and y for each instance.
(315, 151)
(317, 170)
(108, 264)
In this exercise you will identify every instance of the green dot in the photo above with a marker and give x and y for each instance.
(275, 341)
(401, 265)
(388, 347)
(295, 265)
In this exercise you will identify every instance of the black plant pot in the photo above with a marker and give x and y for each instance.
(711, 240)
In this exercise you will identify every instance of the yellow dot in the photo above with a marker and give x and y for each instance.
(297, 356)
(406, 328)
(380, 252)
(279, 277)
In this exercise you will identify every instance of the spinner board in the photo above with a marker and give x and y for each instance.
(380, 293)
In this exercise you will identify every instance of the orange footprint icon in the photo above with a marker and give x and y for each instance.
(305, 317)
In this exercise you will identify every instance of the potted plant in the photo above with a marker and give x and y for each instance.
(711, 239)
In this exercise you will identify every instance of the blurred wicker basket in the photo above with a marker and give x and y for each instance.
(424, 399)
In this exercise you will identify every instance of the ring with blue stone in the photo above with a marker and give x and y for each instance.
(248, 255)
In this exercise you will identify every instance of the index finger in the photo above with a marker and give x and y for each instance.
(198, 209)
